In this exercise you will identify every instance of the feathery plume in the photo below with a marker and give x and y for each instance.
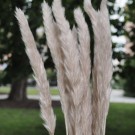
(84, 48)
(102, 70)
(85, 111)
(52, 34)
(39, 71)
(84, 40)
(75, 34)
(72, 67)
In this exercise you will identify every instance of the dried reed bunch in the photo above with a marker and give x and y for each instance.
(85, 109)
(73, 69)
(102, 70)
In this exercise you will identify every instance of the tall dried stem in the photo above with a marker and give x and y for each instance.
(85, 62)
(102, 70)
(85, 111)
(54, 43)
(39, 71)
(72, 68)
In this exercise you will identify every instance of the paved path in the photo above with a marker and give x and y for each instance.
(116, 97)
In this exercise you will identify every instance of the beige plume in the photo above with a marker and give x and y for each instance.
(102, 70)
(39, 71)
(85, 108)
(84, 48)
(52, 33)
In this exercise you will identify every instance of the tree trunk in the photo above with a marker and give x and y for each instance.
(18, 90)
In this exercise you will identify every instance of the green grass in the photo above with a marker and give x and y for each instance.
(26, 122)
(30, 91)
(121, 121)
(4, 90)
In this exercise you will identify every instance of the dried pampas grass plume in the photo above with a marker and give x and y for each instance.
(102, 70)
(84, 41)
(52, 33)
(39, 71)
(72, 68)
(85, 108)
(85, 62)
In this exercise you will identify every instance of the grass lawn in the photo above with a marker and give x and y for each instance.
(26, 122)
(121, 121)
(30, 91)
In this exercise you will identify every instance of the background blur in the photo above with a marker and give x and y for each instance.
(18, 93)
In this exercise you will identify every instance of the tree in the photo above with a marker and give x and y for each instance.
(129, 66)
(11, 45)
(126, 67)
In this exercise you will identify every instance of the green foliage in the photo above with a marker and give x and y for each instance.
(128, 70)
(124, 72)
(11, 44)
(128, 74)
(12, 51)
(51, 74)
